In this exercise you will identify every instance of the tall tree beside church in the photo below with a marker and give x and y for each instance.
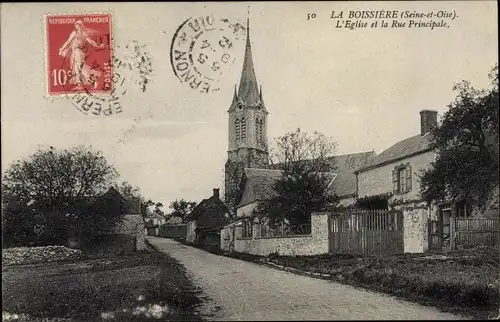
(306, 162)
(467, 143)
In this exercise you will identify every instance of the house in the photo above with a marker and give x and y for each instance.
(390, 180)
(206, 220)
(153, 222)
(391, 177)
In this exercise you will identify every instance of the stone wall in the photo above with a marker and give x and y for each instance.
(415, 230)
(173, 231)
(190, 231)
(133, 225)
(314, 244)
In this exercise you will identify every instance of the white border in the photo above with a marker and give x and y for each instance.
(45, 46)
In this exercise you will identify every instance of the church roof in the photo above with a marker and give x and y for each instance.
(248, 91)
(259, 184)
(344, 166)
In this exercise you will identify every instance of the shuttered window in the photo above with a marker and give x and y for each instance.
(395, 181)
(237, 129)
(243, 129)
(401, 179)
(408, 178)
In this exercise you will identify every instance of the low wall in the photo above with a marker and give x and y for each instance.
(133, 225)
(314, 244)
(173, 231)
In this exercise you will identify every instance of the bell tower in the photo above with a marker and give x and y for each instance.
(247, 126)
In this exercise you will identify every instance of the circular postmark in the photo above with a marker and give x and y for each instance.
(102, 95)
(202, 49)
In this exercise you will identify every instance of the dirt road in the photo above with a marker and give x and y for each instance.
(245, 291)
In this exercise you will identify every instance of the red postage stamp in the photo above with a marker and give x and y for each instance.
(79, 53)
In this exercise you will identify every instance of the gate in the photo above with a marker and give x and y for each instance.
(367, 232)
(435, 230)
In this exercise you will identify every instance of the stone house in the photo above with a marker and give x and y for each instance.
(204, 223)
(391, 180)
(127, 235)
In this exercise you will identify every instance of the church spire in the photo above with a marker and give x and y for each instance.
(248, 91)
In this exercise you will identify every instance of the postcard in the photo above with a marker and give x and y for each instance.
(250, 160)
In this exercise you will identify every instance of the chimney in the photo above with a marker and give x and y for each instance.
(428, 120)
(216, 193)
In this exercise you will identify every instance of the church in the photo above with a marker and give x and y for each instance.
(247, 174)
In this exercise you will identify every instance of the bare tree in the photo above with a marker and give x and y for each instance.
(307, 166)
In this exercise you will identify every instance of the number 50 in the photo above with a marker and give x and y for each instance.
(59, 76)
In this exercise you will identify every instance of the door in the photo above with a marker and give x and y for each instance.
(435, 234)
(445, 219)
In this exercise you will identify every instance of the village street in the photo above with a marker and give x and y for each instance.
(246, 291)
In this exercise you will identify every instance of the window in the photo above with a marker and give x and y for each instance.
(401, 179)
(237, 129)
(243, 129)
(257, 130)
(261, 132)
(463, 209)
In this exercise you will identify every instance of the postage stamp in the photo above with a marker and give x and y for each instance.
(79, 54)
(202, 49)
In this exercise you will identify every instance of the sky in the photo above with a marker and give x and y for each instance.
(362, 87)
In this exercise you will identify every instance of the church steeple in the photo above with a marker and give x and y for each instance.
(247, 128)
(248, 91)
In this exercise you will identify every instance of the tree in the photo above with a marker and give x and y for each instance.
(303, 188)
(181, 208)
(466, 142)
(130, 192)
(159, 211)
(43, 193)
(233, 175)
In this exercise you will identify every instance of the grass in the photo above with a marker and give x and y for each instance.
(139, 286)
(464, 282)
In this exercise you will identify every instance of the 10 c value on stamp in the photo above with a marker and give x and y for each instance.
(79, 54)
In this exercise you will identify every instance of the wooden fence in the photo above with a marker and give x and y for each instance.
(369, 233)
(476, 231)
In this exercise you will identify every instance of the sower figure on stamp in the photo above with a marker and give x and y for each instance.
(76, 48)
